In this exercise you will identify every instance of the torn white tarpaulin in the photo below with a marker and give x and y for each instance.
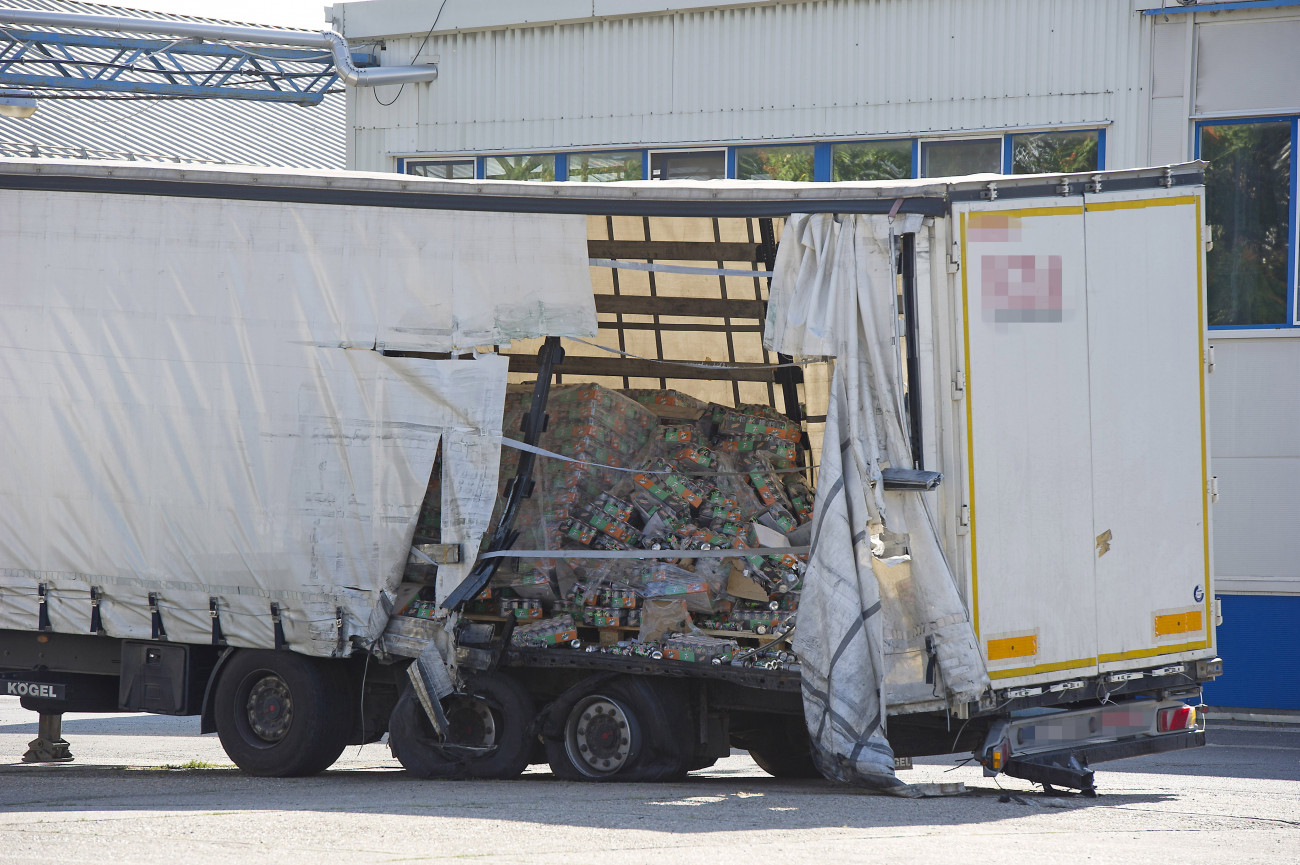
(184, 417)
(833, 293)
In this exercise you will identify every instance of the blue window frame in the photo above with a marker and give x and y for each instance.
(444, 168)
(1251, 211)
(603, 166)
(826, 161)
(1064, 151)
(523, 166)
(796, 162)
(872, 160)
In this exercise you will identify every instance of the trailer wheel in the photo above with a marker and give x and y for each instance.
(783, 750)
(488, 735)
(621, 729)
(281, 714)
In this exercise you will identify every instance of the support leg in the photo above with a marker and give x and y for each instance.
(49, 745)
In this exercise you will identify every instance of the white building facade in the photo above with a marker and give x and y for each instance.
(589, 90)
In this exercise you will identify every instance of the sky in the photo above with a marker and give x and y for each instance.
(284, 13)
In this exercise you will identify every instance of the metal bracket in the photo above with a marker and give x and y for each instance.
(1060, 687)
(910, 479)
(1168, 179)
(990, 192)
(435, 554)
(550, 356)
(1095, 185)
(1063, 188)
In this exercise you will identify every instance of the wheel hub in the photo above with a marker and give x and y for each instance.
(270, 708)
(599, 736)
(470, 722)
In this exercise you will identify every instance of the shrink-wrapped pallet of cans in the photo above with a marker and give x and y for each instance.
(662, 472)
(558, 631)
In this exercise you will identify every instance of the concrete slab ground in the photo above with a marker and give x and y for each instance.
(147, 789)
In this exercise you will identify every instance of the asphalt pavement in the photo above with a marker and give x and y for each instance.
(149, 789)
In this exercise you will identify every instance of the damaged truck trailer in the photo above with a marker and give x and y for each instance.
(614, 477)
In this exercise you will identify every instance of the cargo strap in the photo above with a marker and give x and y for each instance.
(280, 641)
(214, 610)
(686, 473)
(159, 632)
(96, 620)
(43, 610)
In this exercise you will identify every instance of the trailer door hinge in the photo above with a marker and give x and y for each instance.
(963, 520)
(1214, 488)
(959, 385)
(1209, 359)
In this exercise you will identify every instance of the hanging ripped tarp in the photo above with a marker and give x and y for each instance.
(833, 294)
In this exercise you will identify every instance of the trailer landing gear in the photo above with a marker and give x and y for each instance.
(49, 745)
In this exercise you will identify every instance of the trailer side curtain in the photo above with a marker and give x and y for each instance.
(199, 422)
(833, 294)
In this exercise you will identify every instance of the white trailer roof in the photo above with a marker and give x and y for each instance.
(650, 198)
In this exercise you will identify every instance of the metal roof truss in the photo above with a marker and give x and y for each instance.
(163, 68)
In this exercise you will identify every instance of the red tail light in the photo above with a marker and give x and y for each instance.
(1177, 718)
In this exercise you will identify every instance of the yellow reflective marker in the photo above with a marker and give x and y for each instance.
(1013, 647)
(1178, 623)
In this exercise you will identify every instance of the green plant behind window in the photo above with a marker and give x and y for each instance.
(1247, 200)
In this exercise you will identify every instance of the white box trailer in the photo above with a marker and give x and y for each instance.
(224, 391)
(1085, 438)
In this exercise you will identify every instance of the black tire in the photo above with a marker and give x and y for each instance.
(495, 712)
(281, 714)
(621, 728)
(783, 749)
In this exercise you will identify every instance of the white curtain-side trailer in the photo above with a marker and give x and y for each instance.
(275, 441)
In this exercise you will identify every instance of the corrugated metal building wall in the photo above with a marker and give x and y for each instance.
(208, 131)
(785, 71)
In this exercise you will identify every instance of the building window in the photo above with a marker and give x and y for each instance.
(961, 157)
(1056, 152)
(775, 163)
(443, 169)
(871, 160)
(530, 166)
(1248, 210)
(688, 165)
(606, 167)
